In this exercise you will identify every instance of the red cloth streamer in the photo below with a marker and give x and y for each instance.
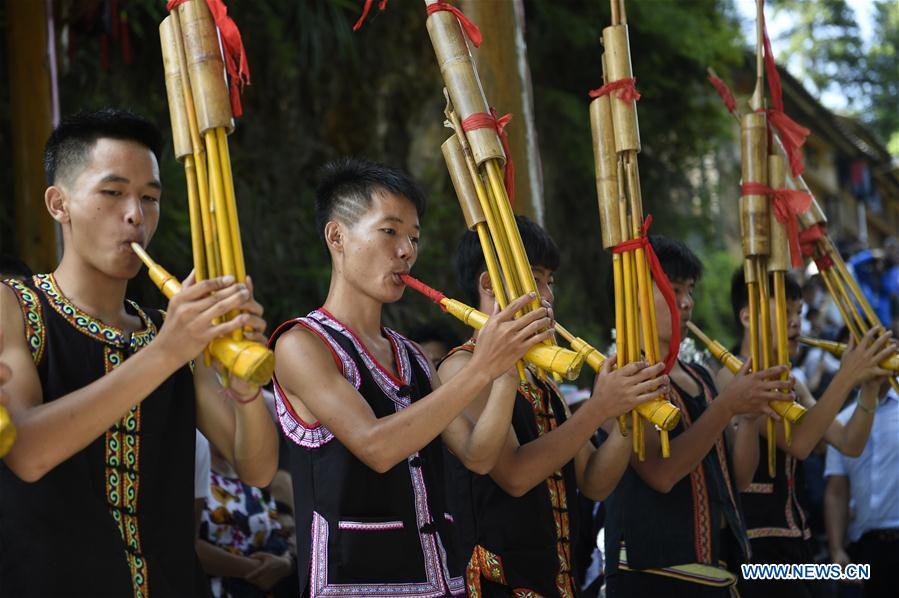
(431, 293)
(235, 55)
(626, 88)
(809, 237)
(470, 29)
(661, 279)
(482, 120)
(365, 10)
(792, 134)
(724, 93)
(788, 204)
(824, 262)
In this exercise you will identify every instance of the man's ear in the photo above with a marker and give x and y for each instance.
(744, 317)
(485, 285)
(334, 236)
(55, 200)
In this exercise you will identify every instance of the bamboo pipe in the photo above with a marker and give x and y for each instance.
(666, 416)
(554, 359)
(837, 349)
(793, 412)
(248, 360)
(7, 432)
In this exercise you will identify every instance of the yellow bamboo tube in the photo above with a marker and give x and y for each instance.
(196, 219)
(222, 226)
(565, 362)
(7, 432)
(754, 345)
(248, 360)
(240, 271)
(620, 321)
(837, 349)
(507, 218)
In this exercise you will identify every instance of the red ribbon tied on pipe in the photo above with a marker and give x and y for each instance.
(365, 10)
(483, 120)
(788, 204)
(235, 55)
(661, 280)
(470, 29)
(809, 238)
(724, 93)
(792, 134)
(626, 88)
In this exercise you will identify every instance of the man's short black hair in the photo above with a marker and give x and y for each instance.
(739, 296)
(347, 185)
(540, 247)
(72, 142)
(678, 261)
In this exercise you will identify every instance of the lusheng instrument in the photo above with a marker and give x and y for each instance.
(236, 356)
(835, 348)
(557, 360)
(616, 143)
(201, 115)
(476, 154)
(733, 363)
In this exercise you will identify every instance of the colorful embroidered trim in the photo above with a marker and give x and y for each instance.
(319, 585)
(35, 331)
(707, 575)
(370, 525)
(83, 322)
(123, 484)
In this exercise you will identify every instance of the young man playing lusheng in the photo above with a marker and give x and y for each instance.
(775, 521)
(518, 523)
(96, 496)
(674, 526)
(364, 413)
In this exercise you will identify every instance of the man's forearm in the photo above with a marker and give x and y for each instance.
(745, 452)
(490, 431)
(52, 432)
(836, 516)
(818, 418)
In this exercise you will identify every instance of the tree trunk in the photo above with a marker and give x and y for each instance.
(503, 67)
(31, 120)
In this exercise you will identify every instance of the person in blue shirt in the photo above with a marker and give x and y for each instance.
(862, 499)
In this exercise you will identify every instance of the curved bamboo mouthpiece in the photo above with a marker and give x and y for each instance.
(790, 411)
(834, 348)
(248, 360)
(7, 432)
(551, 358)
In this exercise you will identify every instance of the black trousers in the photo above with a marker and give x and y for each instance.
(781, 551)
(635, 584)
(880, 549)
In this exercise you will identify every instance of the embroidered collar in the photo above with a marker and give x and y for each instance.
(386, 379)
(91, 326)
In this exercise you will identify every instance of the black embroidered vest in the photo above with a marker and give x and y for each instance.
(360, 532)
(523, 543)
(771, 504)
(115, 519)
(681, 527)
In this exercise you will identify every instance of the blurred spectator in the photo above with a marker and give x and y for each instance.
(869, 266)
(435, 339)
(862, 501)
(13, 267)
(242, 545)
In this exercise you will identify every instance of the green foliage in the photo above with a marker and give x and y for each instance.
(713, 313)
(681, 120)
(824, 42)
